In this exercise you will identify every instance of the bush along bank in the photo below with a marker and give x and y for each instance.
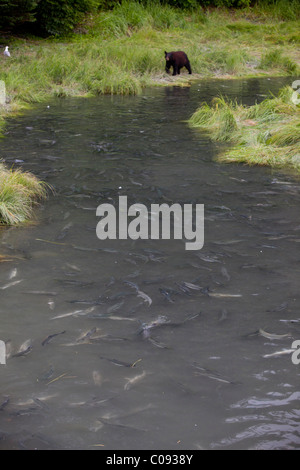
(19, 193)
(267, 133)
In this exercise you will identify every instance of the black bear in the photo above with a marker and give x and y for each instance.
(177, 60)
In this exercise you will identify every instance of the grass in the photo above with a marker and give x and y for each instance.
(267, 133)
(275, 60)
(121, 51)
(19, 193)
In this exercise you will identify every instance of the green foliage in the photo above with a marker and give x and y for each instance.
(275, 59)
(19, 191)
(187, 4)
(228, 61)
(279, 9)
(15, 12)
(242, 27)
(129, 17)
(219, 119)
(190, 4)
(56, 17)
(267, 133)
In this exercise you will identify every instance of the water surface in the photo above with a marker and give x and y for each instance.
(198, 379)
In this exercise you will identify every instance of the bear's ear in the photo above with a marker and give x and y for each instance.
(166, 53)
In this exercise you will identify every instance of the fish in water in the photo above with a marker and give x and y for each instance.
(11, 284)
(146, 327)
(209, 259)
(12, 274)
(219, 295)
(166, 294)
(76, 313)
(134, 380)
(46, 340)
(158, 344)
(118, 363)
(280, 353)
(183, 288)
(265, 334)
(192, 286)
(144, 296)
(131, 284)
(224, 273)
(281, 307)
(291, 321)
(212, 375)
(115, 307)
(4, 404)
(223, 315)
(273, 336)
(51, 304)
(97, 378)
(88, 334)
(40, 292)
(64, 231)
(24, 349)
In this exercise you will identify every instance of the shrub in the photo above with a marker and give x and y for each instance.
(19, 191)
(56, 17)
(15, 12)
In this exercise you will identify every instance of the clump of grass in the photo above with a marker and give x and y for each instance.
(219, 119)
(286, 136)
(279, 10)
(242, 27)
(267, 133)
(273, 109)
(274, 59)
(225, 61)
(19, 192)
(264, 155)
(129, 17)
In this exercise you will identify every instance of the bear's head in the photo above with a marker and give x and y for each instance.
(168, 57)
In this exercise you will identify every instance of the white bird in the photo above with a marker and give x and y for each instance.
(6, 52)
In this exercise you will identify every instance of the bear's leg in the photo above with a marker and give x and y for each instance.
(188, 67)
(174, 69)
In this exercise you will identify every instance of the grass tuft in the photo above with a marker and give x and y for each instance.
(219, 119)
(122, 50)
(19, 192)
(274, 59)
(267, 133)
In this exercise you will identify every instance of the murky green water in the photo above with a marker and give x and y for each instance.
(199, 379)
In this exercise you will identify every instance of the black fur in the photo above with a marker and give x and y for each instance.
(177, 60)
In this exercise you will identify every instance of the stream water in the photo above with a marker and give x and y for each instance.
(141, 344)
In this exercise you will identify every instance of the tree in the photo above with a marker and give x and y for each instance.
(15, 12)
(59, 17)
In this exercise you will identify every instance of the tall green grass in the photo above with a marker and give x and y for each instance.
(274, 59)
(219, 119)
(19, 193)
(267, 133)
(281, 10)
(122, 51)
